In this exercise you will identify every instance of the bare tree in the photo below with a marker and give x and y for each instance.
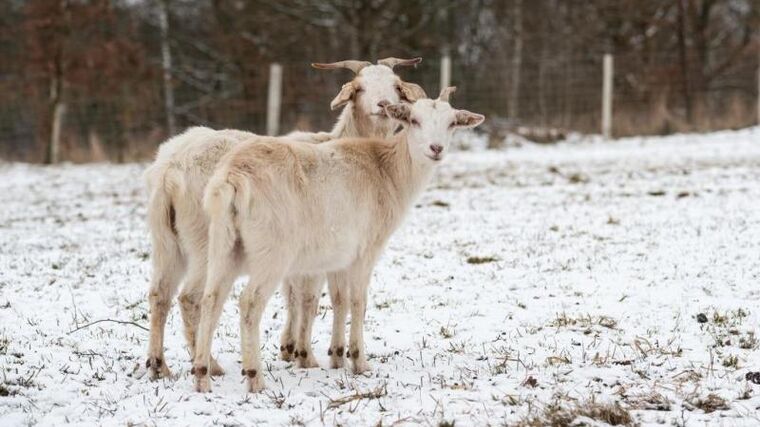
(514, 95)
(166, 63)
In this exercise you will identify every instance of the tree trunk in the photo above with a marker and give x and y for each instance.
(542, 65)
(166, 62)
(514, 96)
(54, 145)
(700, 12)
(57, 111)
(686, 87)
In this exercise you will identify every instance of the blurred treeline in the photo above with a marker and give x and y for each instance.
(90, 73)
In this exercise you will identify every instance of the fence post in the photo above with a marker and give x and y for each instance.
(274, 99)
(607, 97)
(445, 70)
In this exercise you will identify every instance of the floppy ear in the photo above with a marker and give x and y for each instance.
(346, 94)
(400, 112)
(411, 91)
(466, 119)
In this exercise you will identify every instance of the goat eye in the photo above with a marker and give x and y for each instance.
(415, 122)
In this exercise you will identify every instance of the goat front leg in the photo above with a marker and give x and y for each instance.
(359, 277)
(338, 285)
(290, 288)
(309, 290)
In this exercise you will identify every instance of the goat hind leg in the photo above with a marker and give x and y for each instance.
(189, 303)
(218, 286)
(168, 269)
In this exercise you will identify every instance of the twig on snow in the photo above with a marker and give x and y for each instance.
(123, 322)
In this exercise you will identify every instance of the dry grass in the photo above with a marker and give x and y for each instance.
(556, 415)
(710, 403)
(583, 321)
(652, 401)
(660, 119)
(481, 259)
(380, 391)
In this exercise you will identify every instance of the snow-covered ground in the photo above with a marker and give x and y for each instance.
(531, 285)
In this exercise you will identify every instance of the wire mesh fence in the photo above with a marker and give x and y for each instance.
(120, 114)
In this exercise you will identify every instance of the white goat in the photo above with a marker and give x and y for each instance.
(282, 208)
(176, 181)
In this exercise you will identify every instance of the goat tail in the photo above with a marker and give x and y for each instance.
(219, 204)
(162, 218)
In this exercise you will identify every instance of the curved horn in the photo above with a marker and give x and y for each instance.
(392, 62)
(445, 92)
(349, 64)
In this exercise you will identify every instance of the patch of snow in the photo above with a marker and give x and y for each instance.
(546, 273)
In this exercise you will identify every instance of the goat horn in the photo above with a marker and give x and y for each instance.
(350, 64)
(445, 92)
(392, 62)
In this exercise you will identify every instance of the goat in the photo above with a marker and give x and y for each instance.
(279, 209)
(177, 178)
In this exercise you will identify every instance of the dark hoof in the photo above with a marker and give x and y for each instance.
(154, 362)
(250, 373)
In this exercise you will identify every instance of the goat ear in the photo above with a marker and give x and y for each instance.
(400, 112)
(466, 119)
(411, 91)
(346, 94)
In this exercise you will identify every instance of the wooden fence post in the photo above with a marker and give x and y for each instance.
(274, 99)
(607, 97)
(445, 70)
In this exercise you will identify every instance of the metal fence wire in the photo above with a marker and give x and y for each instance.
(124, 118)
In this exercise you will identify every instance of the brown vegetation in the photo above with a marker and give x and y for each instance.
(92, 70)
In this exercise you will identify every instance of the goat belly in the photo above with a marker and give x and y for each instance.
(335, 251)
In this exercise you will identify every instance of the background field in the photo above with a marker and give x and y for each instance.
(536, 284)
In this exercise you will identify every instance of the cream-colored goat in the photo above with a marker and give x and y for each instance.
(288, 208)
(178, 177)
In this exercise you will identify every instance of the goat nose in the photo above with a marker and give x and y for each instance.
(383, 103)
(435, 148)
